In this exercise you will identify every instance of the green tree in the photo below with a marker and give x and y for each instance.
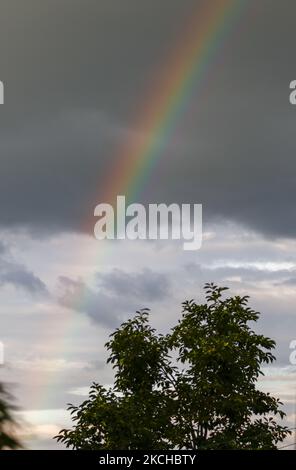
(8, 441)
(205, 398)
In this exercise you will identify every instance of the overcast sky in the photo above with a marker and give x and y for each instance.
(74, 73)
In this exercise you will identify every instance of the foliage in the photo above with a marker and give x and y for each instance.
(205, 399)
(7, 423)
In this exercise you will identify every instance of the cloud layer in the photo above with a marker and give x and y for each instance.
(19, 276)
(118, 294)
(75, 75)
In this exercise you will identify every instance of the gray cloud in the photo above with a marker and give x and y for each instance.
(18, 275)
(245, 275)
(144, 285)
(116, 298)
(118, 295)
(75, 71)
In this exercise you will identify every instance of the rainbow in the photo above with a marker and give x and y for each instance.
(155, 121)
(183, 73)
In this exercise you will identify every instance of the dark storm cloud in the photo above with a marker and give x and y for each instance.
(118, 295)
(74, 72)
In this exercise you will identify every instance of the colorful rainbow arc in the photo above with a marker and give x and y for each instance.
(205, 33)
(164, 105)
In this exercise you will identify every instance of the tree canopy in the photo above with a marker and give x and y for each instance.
(194, 388)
